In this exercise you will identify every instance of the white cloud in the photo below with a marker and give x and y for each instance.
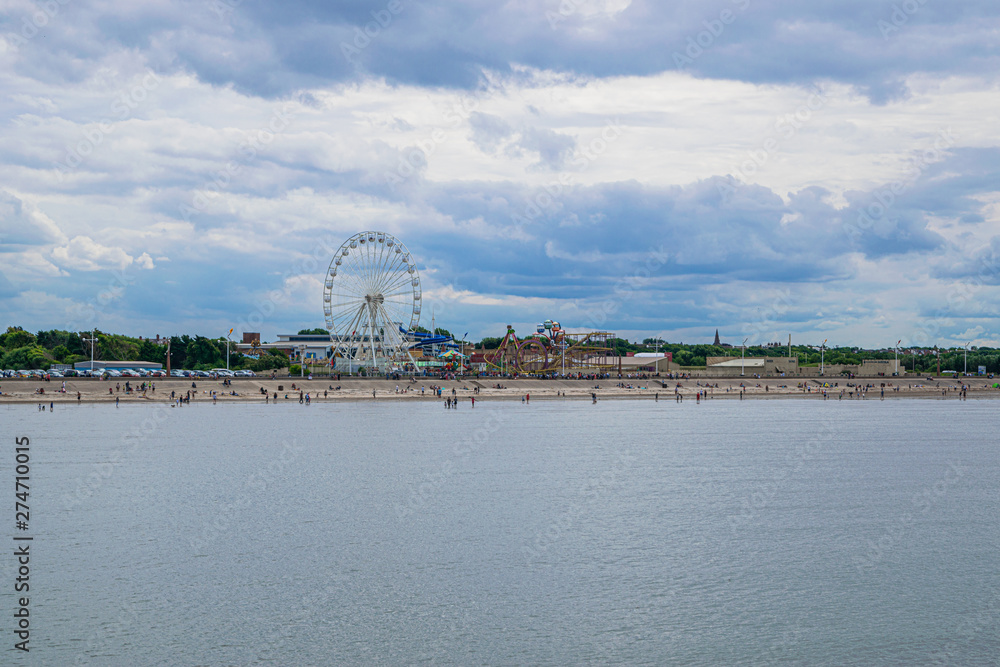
(84, 254)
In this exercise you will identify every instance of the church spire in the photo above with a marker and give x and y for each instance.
(717, 341)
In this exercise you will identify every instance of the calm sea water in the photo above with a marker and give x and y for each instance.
(555, 533)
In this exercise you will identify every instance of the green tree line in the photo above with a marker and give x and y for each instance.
(20, 349)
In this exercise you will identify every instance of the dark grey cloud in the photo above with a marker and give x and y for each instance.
(271, 49)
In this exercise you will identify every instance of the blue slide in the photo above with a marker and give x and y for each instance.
(426, 339)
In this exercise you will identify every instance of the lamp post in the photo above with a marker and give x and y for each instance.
(743, 356)
(227, 348)
(822, 351)
(897, 355)
(966, 358)
(91, 341)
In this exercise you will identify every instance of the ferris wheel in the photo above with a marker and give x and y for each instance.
(372, 289)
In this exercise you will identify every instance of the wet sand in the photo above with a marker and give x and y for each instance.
(249, 389)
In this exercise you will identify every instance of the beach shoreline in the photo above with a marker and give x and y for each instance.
(249, 390)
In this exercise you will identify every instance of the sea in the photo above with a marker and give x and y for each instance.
(554, 532)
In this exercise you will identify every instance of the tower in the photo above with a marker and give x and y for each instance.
(717, 341)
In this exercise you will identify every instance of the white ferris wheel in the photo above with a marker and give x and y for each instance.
(372, 289)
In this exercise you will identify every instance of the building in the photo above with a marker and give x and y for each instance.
(767, 366)
(314, 346)
(879, 367)
(155, 341)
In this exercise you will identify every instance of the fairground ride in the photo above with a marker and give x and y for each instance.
(551, 349)
(371, 292)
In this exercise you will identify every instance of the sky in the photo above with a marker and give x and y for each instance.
(825, 169)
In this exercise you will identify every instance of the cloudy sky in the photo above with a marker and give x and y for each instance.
(829, 169)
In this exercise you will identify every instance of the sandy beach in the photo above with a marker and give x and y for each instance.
(325, 389)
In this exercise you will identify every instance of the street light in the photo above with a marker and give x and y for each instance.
(966, 355)
(897, 355)
(822, 350)
(227, 348)
(91, 341)
(743, 356)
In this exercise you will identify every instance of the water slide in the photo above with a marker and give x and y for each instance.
(427, 339)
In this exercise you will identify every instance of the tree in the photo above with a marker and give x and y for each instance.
(314, 332)
(17, 337)
(28, 356)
